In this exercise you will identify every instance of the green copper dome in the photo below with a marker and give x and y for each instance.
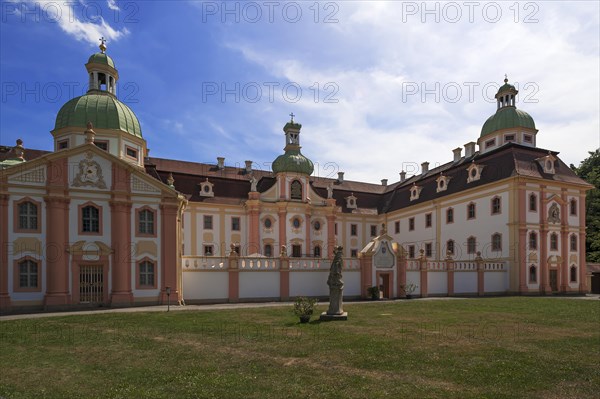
(101, 58)
(103, 110)
(506, 118)
(293, 161)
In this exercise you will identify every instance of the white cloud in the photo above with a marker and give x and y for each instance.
(69, 20)
(112, 4)
(376, 127)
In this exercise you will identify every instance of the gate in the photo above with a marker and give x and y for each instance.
(91, 284)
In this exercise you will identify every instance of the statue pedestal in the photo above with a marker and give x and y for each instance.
(334, 317)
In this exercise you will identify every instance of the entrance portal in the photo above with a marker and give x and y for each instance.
(554, 280)
(91, 284)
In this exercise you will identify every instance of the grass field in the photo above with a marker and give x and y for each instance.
(473, 348)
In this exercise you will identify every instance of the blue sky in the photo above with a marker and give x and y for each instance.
(379, 86)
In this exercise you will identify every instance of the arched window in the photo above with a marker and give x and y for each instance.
(28, 216)
(496, 206)
(573, 274)
(532, 240)
(450, 247)
(90, 219)
(496, 242)
(471, 245)
(450, 215)
(573, 242)
(532, 274)
(471, 211)
(317, 251)
(554, 242)
(532, 202)
(573, 207)
(296, 190)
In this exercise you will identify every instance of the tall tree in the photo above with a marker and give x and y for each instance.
(589, 170)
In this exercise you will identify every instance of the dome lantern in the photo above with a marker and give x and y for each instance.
(293, 160)
(103, 75)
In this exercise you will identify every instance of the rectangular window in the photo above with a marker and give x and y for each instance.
(411, 251)
(268, 252)
(335, 229)
(496, 206)
(296, 251)
(146, 222)
(490, 143)
(527, 138)
(28, 274)
(208, 250)
(63, 144)
(373, 230)
(103, 145)
(471, 245)
(90, 219)
(509, 137)
(28, 216)
(353, 229)
(208, 222)
(411, 224)
(354, 253)
(554, 242)
(397, 227)
(147, 274)
(131, 152)
(428, 220)
(235, 224)
(428, 250)
(450, 247)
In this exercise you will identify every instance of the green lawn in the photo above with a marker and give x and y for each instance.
(475, 348)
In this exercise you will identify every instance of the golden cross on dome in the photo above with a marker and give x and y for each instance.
(102, 45)
(292, 115)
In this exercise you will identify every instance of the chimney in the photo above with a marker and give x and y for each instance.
(402, 176)
(340, 178)
(457, 154)
(384, 182)
(220, 163)
(248, 167)
(424, 167)
(469, 149)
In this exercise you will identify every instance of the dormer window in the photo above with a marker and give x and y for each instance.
(442, 183)
(415, 191)
(351, 202)
(547, 163)
(206, 189)
(474, 172)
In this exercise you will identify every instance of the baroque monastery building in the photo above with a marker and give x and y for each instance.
(99, 222)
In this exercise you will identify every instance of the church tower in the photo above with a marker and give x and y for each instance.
(117, 129)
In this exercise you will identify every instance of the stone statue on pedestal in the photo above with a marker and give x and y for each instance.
(336, 289)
